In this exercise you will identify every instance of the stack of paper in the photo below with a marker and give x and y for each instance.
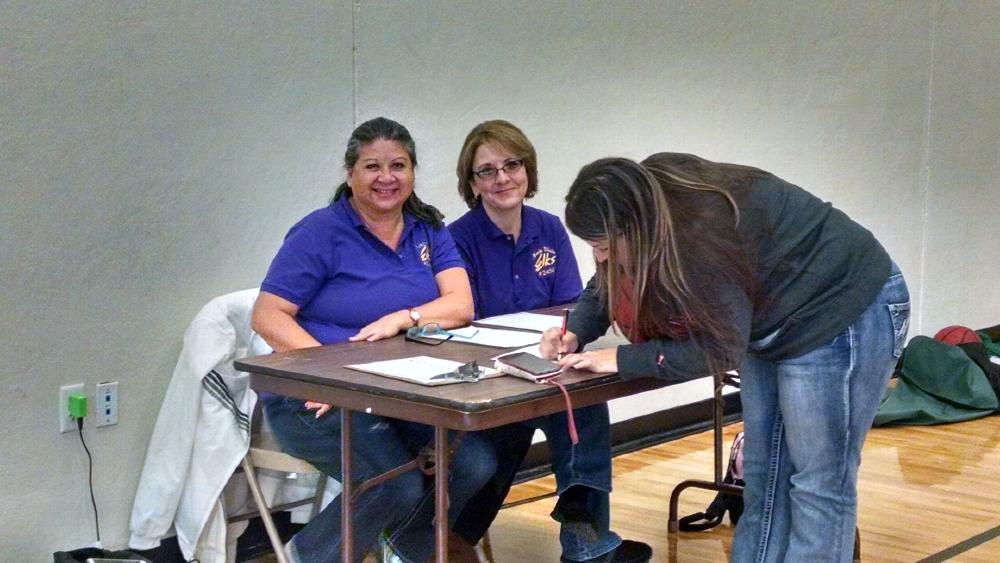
(526, 321)
(495, 337)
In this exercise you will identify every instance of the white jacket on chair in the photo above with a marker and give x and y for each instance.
(201, 434)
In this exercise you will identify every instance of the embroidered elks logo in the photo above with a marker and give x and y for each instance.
(545, 261)
(425, 253)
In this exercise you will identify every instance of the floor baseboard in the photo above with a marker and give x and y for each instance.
(643, 431)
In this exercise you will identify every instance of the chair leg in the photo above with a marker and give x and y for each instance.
(318, 501)
(484, 550)
(265, 513)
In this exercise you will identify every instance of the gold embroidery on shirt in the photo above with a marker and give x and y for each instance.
(425, 253)
(545, 261)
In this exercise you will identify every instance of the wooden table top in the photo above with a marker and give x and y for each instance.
(318, 374)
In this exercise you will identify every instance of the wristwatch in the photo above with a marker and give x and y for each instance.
(414, 316)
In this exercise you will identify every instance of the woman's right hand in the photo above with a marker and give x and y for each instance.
(554, 344)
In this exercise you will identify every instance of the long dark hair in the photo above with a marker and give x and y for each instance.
(677, 215)
(382, 128)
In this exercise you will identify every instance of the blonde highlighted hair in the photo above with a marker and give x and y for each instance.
(676, 217)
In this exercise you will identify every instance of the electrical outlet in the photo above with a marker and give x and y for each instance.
(66, 422)
(106, 404)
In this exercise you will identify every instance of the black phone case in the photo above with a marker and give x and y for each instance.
(532, 365)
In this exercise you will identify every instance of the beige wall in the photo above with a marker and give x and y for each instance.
(153, 155)
(961, 207)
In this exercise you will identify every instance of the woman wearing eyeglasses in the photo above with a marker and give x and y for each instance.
(519, 258)
(374, 262)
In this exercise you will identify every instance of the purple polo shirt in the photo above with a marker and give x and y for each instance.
(343, 277)
(538, 271)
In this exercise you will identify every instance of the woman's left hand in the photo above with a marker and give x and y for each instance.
(386, 327)
(320, 408)
(604, 360)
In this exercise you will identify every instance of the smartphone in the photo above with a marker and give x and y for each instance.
(531, 366)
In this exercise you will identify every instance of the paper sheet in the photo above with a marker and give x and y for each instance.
(495, 337)
(526, 321)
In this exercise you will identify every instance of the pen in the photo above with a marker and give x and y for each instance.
(562, 331)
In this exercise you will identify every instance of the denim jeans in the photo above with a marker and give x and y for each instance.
(584, 517)
(403, 506)
(585, 514)
(805, 421)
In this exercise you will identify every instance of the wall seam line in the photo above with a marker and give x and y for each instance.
(354, 61)
(925, 179)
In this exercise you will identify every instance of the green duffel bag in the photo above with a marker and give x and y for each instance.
(937, 383)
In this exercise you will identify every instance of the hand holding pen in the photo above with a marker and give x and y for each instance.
(556, 342)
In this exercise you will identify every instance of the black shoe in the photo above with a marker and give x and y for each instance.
(627, 552)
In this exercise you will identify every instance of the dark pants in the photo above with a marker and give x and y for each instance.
(583, 480)
(403, 507)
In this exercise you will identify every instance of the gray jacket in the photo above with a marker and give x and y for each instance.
(816, 270)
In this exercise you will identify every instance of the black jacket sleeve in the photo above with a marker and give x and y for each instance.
(682, 360)
(671, 360)
(589, 320)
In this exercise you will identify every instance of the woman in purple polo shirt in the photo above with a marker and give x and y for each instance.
(519, 258)
(374, 262)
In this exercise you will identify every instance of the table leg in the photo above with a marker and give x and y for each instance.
(346, 493)
(718, 406)
(441, 492)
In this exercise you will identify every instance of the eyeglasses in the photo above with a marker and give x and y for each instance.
(433, 334)
(488, 172)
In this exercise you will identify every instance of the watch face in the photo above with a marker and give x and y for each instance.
(415, 316)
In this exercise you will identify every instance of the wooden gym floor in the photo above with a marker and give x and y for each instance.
(926, 494)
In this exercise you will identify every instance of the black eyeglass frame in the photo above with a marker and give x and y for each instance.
(413, 334)
(490, 172)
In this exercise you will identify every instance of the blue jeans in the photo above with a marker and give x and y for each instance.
(805, 421)
(585, 512)
(584, 516)
(403, 506)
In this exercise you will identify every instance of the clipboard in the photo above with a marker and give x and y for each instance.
(424, 370)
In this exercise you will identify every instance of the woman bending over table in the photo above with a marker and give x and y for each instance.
(708, 267)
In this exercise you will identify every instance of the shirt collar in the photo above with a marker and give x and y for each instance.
(528, 232)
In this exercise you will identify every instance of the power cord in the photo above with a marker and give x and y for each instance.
(97, 524)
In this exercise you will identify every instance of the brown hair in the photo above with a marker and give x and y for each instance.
(503, 134)
(677, 215)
